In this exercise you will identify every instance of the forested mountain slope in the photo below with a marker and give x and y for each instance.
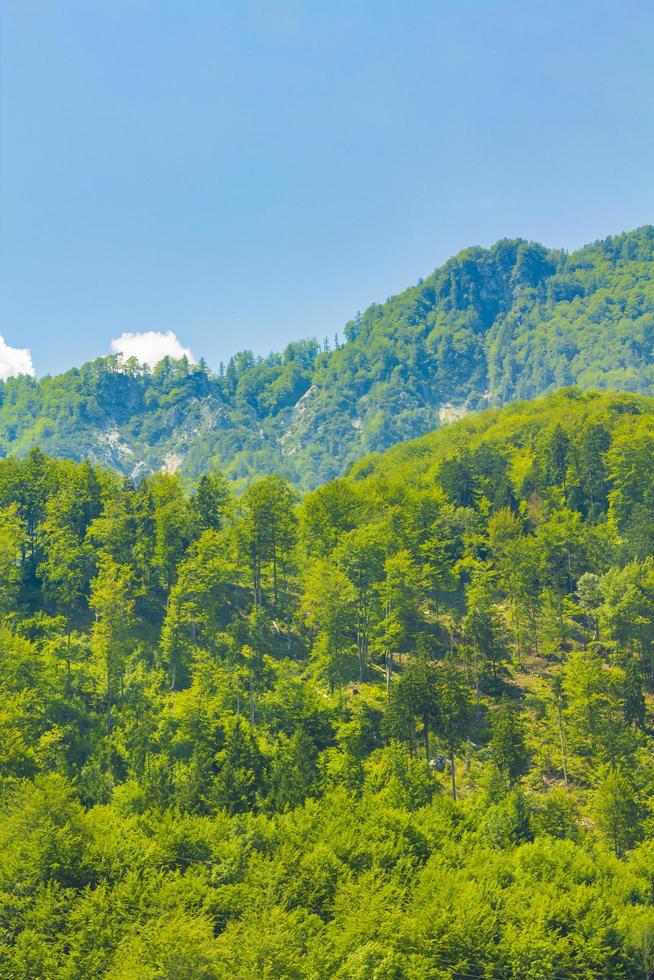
(401, 728)
(489, 326)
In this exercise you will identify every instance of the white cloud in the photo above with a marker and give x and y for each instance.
(150, 347)
(14, 360)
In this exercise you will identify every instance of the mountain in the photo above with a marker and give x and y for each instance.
(401, 728)
(488, 327)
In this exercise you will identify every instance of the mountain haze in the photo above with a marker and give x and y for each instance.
(486, 328)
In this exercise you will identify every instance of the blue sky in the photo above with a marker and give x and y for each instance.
(248, 173)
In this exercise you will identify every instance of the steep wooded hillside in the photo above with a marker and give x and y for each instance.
(489, 326)
(401, 728)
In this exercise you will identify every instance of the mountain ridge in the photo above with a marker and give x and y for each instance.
(487, 327)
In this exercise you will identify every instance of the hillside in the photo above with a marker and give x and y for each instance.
(400, 728)
(488, 327)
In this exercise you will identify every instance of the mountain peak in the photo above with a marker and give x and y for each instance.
(488, 326)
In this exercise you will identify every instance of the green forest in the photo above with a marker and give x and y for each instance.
(398, 726)
(489, 326)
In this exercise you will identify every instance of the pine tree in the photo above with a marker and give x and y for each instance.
(634, 698)
(507, 746)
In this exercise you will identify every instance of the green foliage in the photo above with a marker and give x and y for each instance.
(616, 811)
(488, 327)
(507, 745)
(399, 728)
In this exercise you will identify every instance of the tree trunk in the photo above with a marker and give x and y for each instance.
(563, 758)
(108, 702)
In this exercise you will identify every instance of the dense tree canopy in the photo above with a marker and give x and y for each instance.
(397, 728)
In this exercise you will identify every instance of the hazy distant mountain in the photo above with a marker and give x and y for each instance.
(489, 326)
